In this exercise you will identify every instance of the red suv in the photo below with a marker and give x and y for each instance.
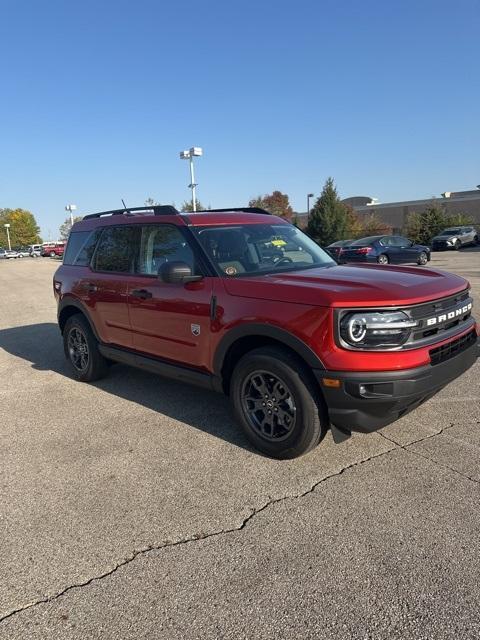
(243, 302)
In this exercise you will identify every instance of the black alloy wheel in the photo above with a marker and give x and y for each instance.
(277, 402)
(81, 349)
(268, 405)
(78, 349)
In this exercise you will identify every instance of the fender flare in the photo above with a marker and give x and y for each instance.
(269, 331)
(69, 301)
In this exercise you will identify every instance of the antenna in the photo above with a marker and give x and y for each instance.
(124, 205)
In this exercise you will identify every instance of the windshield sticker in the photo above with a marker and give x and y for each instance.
(230, 271)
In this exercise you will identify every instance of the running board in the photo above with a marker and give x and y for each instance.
(158, 366)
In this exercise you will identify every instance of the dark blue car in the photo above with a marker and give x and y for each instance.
(385, 250)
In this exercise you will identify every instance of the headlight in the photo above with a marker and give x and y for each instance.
(451, 240)
(377, 329)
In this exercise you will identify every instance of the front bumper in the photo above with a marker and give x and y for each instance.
(369, 401)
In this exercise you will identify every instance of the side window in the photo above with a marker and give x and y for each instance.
(387, 241)
(116, 249)
(403, 242)
(160, 243)
(80, 247)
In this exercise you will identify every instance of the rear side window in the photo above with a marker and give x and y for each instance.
(80, 247)
(117, 249)
(162, 243)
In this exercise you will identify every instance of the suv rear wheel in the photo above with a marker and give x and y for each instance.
(277, 404)
(81, 350)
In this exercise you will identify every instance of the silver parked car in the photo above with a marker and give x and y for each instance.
(455, 238)
(10, 253)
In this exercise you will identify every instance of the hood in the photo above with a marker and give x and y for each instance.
(359, 285)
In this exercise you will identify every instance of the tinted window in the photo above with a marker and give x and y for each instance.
(116, 249)
(450, 232)
(80, 247)
(162, 243)
(365, 242)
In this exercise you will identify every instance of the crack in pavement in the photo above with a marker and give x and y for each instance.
(425, 457)
(193, 538)
(243, 524)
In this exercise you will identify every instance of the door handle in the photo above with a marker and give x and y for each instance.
(143, 294)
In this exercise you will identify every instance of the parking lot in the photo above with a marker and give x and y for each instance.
(134, 508)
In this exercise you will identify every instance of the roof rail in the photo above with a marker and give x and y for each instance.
(238, 209)
(158, 210)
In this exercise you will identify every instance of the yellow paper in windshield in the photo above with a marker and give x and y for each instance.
(279, 243)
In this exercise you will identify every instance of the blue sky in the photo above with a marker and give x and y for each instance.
(98, 98)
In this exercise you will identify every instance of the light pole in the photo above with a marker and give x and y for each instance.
(7, 227)
(71, 208)
(309, 195)
(189, 155)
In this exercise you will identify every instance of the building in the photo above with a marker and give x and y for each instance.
(395, 213)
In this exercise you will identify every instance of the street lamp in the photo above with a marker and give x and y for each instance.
(309, 195)
(7, 227)
(71, 208)
(189, 155)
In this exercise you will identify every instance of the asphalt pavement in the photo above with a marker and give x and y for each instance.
(134, 508)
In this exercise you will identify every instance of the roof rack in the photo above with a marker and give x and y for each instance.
(238, 209)
(158, 210)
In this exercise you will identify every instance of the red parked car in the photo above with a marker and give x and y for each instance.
(243, 302)
(53, 249)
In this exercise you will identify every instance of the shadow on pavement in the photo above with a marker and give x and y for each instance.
(41, 344)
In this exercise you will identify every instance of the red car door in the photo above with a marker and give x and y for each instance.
(106, 287)
(170, 321)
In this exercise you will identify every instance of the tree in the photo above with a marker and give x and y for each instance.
(187, 206)
(66, 227)
(150, 202)
(24, 229)
(422, 227)
(354, 223)
(373, 225)
(276, 203)
(329, 218)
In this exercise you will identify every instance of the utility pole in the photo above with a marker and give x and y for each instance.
(7, 227)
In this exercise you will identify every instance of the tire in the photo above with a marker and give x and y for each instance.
(457, 245)
(383, 259)
(476, 241)
(304, 411)
(422, 259)
(52, 254)
(78, 340)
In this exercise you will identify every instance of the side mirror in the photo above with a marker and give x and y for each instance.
(177, 273)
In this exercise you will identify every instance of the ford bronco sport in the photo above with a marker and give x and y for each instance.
(242, 302)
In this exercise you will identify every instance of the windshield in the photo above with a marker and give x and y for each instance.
(450, 232)
(251, 249)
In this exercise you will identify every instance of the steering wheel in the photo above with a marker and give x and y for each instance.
(284, 260)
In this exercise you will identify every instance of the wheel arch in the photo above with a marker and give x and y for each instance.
(245, 338)
(69, 307)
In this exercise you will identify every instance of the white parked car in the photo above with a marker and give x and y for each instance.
(10, 253)
(35, 250)
(23, 252)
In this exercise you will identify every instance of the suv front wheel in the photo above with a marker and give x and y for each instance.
(277, 404)
(81, 350)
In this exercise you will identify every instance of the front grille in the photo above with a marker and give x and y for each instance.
(424, 314)
(453, 348)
